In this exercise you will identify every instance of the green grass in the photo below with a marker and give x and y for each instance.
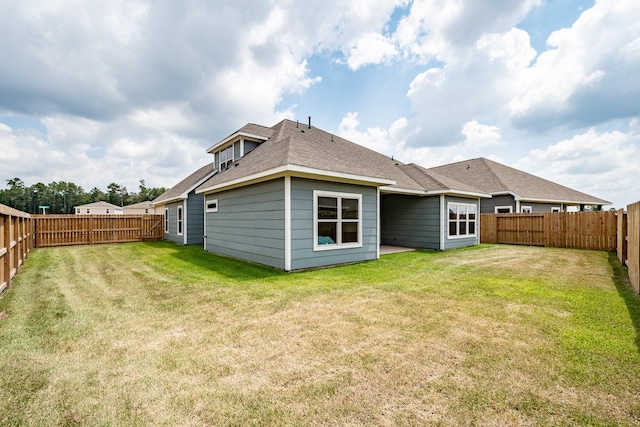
(159, 334)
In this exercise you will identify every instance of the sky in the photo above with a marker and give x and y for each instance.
(95, 92)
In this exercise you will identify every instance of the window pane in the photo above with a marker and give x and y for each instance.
(472, 228)
(349, 208)
(453, 212)
(463, 228)
(327, 208)
(472, 212)
(327, 232)
(462, 213)
(349, 232)
(452, 229)
(223, 156)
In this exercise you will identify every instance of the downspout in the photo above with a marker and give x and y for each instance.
(379, 239)
(443, 220)
(184, 221)
(204, 223)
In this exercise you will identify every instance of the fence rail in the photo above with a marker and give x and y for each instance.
(65, 230)
(15, 243)
(579, 230)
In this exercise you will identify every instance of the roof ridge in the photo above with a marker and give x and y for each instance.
(489, 164)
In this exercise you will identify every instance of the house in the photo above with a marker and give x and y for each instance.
(140, 208)
(515, 191)
(98, 208)
(293, 196)
(183, 209)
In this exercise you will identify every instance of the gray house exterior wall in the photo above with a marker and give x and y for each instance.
(461, 242)
(410, 221)
(302, 217)
(194, 219)
(249, 223)
(172, 234)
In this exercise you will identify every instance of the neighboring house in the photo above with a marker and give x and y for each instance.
(515, 191)
(183, 209)
(293, 197)
(98, 208)
(139, 208)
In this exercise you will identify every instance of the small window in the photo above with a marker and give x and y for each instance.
(166, 220)
(146, 211)
(212, 205)
(337, 220)
(77, 211)
(526, 209)
(504, 209)
(462, 220)
(88, 210)
(107, 210)
(179, 225)
(556, 209)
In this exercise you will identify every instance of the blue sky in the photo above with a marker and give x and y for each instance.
(102, 92)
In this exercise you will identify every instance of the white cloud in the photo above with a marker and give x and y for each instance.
(371, 48)
(597, 163)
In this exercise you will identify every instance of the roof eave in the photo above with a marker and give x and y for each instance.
(298, 171)
(234, 136)
(566, 202)
(453, 192)
(398, 190)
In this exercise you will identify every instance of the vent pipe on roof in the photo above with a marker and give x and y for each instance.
(296, 123)
(309, 122)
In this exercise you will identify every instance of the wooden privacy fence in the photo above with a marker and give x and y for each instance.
(15, 243)
(579, 230)
(64, 230)
(633, 245)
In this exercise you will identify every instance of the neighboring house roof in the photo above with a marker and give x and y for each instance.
(100, 204)
(140, 205)
(308, 151)
(181, 190)
(495, 178)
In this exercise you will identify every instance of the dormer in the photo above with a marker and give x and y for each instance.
(233, 148)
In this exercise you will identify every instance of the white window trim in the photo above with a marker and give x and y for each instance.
(503, 207)
(526, 209)
(556, 209)
(464, 236)
(166, 220)
(211, 210)
(337, 245)
(179, 222)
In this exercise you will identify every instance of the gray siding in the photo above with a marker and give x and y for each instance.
(410, 221)
(249, 223)
(172, 235)
(194, 217)
(489, 205)
(302, 215)
(541, 207)
(461, 242)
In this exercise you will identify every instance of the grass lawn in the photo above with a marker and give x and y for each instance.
(159, 334)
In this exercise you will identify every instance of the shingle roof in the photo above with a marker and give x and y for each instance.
(294, 144)
(496, 178)
(181, 189)
(139, 205)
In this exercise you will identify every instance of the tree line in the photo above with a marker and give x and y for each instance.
(62, 196)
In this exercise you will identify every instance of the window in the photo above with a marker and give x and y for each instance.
(526, 209)
(556, 209)
(107, 210)
(226, 157)
(166, 220)
(88, 210)
(337, 220)
(212, 205)
(77, 211)
(146, 211)
(504, 209)
(462, 219)
(179, 221)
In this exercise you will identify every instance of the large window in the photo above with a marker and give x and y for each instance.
(337, 220)
(179, 220)
(462, 219)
